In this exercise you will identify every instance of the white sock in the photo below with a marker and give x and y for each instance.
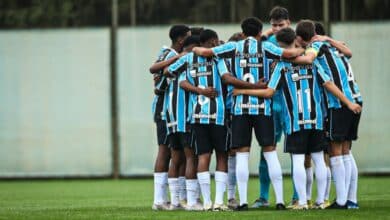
(182, 188)
(204, 182)
(231, 187)
(159, 187)
(348, 170)
(242, 175)
(220, 186)
(299, 176)
(174, 189)
(198, 192)
(320, 170)
(192, 186)
(309, 182)
(328, 183)
(275, 174)
(353, 186)
(338, 173)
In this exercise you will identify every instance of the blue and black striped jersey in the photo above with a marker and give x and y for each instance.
(301, 95)
(331, 61)
(249, 62)
(204, 72)
(176, 100)
(351, 80)
(161, 85)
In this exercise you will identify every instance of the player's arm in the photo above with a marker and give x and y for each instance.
(275, 52)
(267, 33)
(202, 51)
(308, 58)
(209, 92)
(221, 51)
(331, 87)
(339, 45)
(157, 66)
(227, 78)
(264, 93)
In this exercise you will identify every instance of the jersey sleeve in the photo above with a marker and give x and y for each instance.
(322, 76)
(225, 50)
(179, 66)
(222, 66)
(271, 51)
(317, 47)
(274, 82)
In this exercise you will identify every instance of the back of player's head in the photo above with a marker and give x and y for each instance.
(251, 26)
(177, 31)
(207, 35)
(196, 30)
(279, 13)
(236, 37)
(319, 28)
(305, 29)
(286, 36)
(193, 39)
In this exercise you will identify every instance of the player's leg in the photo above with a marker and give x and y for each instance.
(241, 140)
(203, 150)
(309, 179)
(264, 184)
(190, 173)
(328, 178)
(317, 143)
(218, 133)
(296, 144)
(182, 181)
(352, 190)
(265, 135)
(161, 168)
(339, 122)
(232, 181)
(174, 170)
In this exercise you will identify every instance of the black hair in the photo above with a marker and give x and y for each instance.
(236, 37)
(193, 39)
(177, 31)
(286, 35)
(196, 30)
(279, 13)
(305, 29)
(251, 26)
(207, 34)
(319, 28)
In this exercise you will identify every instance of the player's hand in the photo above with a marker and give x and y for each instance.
(156, 77)
(158, 92)
(209, 92)
(261, 84)
(356, 108)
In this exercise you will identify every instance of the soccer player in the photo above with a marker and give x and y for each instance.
(250, 59)
(303, 115)
(208, 115)
(342, 122)
(351, 173)
(279, 19)
(177, 34)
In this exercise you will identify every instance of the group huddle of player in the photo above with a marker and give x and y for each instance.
(210, 95)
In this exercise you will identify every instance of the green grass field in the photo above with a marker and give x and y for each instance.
(132, 199)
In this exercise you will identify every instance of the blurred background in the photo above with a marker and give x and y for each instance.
(76, 93)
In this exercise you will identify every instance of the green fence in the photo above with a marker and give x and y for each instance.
(55, 101)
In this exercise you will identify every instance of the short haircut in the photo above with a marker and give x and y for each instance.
(279, 13)
(207, 34)
(196, 30)
(305, 29)
(193, 39)
(236, 37)
(251, 26)
(177, 31)
(319, 28)
(286, 35)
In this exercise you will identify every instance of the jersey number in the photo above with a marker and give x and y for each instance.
(300, 100)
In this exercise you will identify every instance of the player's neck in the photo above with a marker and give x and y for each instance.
(176, 47)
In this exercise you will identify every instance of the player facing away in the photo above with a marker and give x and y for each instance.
(250, 59)
(351, 172)
(343, 123)
(177, 34)
(279, 19)
(179, 136)
(303, 115)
